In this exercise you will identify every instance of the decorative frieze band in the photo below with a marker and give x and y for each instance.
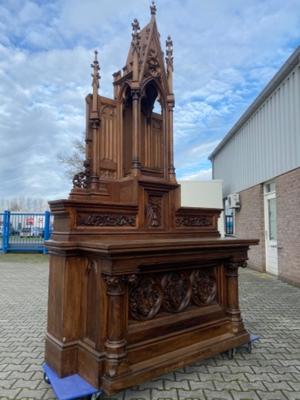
(193, 220)
(106, 220)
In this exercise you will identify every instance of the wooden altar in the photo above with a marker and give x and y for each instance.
(138, 285)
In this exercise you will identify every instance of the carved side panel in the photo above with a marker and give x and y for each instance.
(108, 142)
(171, 292)
(157, 141)
(152, 133)
(91, 301)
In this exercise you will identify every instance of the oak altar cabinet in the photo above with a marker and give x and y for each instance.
(138, 285)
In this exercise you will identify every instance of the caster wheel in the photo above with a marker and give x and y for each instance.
(46, 379)
(249, 347)
(230, 353)
(95, 396)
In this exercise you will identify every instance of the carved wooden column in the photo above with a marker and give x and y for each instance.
(135, 131)
(115, 344)
(171, 169)
(135, 92)
(233, 309)
(94, 124)
(170, 104)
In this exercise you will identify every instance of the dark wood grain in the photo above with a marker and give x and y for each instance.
(138, 285)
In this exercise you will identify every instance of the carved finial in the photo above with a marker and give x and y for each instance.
(169, 51)
(135, 34)
(153, 8)
(135, 28)
(95, 74)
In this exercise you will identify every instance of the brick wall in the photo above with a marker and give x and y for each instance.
(288, 225)
(249, 224)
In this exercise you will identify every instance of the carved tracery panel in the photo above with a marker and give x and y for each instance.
(171, 292)
(177, 290)
(145, 298)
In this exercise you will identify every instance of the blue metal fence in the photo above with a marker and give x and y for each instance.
(21, 232)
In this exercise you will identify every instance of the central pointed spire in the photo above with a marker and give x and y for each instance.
(153, 8)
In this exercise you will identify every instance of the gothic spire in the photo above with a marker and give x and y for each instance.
(135, 32)
(95, 81)
(169, 62)
(153, 8)
(135, 48)
(95, 74)
(169, 52)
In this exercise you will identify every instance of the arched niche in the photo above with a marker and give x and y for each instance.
(152, 126)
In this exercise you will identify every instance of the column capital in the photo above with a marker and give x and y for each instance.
(231, 269)
(94, 122)
(233, 266)
(170, 101)
(116, 283)
(135, 93)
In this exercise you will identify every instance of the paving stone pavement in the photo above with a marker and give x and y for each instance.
(270, 309)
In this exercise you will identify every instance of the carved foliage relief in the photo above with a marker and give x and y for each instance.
(153, 63)
(145, 298)
(171, 292)
(204, 288)
(177, 291)
(106, 220)
(193, 220)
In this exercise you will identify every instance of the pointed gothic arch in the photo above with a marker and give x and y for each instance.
(152, 127)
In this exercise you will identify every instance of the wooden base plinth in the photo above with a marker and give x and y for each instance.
(169, 361)
(123, 313)
(204, 343)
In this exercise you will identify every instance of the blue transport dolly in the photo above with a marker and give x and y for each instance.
(253, 339)
(71, 387)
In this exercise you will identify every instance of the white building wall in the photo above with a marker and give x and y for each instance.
(205, 194)
(267, 144)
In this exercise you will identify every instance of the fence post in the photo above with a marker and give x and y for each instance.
(47, 230)
(5, 239)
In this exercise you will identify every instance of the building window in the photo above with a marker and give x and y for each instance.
(269, 187)
(228, 219)
(272, 218)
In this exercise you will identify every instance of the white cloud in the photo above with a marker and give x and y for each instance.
(204, 149)
(202, 175)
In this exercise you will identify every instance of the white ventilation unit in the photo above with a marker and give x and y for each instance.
(234, 200)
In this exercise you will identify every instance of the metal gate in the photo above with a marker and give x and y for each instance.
(21, 232)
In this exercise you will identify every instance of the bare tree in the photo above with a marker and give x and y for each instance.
(15, 205)
(74, 162)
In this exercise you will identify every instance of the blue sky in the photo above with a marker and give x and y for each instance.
(225, 52)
